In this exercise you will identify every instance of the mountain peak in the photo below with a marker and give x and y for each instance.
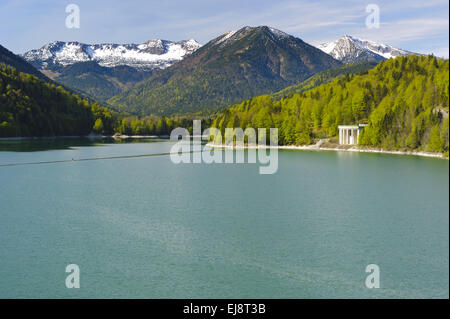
(234, 66)
(235, 35)
(268, 30)
(350, 49)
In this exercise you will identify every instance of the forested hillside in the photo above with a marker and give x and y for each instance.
(323, 77)
(405, 101)
(32, 107)
(235, 66)
(97, 81)
(9, 58)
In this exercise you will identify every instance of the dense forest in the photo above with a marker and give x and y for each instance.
(32, 107)
(405, 101)
(322, 78)
(157, 125)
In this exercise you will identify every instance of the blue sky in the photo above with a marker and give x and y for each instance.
(419, 26)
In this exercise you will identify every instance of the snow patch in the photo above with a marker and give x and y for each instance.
(279, 33)
(227, 35)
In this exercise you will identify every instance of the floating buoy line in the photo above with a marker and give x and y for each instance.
(89, 159)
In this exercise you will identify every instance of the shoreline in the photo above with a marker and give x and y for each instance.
(314, 147)
(124, 137)
(317, 147)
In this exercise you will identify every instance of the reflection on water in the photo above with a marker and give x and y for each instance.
(62, 143)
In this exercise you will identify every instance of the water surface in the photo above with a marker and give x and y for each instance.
(147, 228)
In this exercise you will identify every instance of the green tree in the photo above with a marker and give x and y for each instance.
(434, 142)
(98, 126)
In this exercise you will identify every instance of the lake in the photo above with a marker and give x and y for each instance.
(144, 227)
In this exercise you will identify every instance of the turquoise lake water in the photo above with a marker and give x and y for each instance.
(147, 228)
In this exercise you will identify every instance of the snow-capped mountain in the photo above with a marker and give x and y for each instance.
(234, 66)
(349, 49)
(235, 35)
(153, 54)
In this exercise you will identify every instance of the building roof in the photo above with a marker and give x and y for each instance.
(352, 126)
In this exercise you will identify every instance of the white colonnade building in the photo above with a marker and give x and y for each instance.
(349, 134)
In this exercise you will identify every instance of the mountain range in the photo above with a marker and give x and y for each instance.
(165, 77)
(349, 49)
(404, 102)
(153, 54)
(104, 70)
(232, 67)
